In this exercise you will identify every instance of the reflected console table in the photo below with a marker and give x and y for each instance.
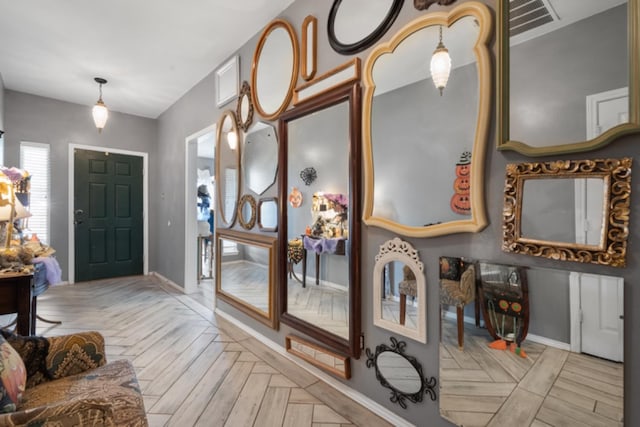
(320, 245)
(16, 296)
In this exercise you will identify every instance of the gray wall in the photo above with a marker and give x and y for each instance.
(587, 55)
(37, 119)
(1, 103)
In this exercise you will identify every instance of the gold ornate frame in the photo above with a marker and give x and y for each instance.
(277, 23)
(251, 222)
(478, 219)
(633, 125)
(616, 174)
(270, 317)
(227, 222)
(244, 122)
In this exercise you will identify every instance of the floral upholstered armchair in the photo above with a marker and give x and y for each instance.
(68, 383)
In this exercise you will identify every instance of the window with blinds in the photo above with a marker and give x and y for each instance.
(35, 159)
(230, 198)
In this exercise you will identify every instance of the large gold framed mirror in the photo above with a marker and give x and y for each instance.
(246, 273)
(568, 75)
(569, 210)
(569, 369)
(274, 70)
(320, 233)
(227, 167)
(435, 183)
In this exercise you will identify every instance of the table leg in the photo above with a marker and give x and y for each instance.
(24, 326)
(403, 308)
(317, 268)
(304, 268)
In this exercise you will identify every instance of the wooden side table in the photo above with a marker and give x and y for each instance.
(16, 296)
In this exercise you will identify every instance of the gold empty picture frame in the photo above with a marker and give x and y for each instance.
(318, 356)
(527, 219)
(343, 74)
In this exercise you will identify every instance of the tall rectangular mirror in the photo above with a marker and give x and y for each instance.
(246, 272)
(568, 369)
(320, 228)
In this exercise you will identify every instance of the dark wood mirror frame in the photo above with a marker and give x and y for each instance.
(350, 93)
(370, 39)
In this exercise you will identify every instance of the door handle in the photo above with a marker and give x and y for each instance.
(76, 216)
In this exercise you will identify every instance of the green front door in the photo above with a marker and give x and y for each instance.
(108, 215)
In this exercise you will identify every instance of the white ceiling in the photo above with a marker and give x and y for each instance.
(151, 52)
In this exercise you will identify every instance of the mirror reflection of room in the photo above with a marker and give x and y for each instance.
(319, 226)
(400, 303)
(570, 350)
(205, 206)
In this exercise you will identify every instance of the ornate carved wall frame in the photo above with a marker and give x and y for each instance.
(401, 388)
(507, 141)
(616, 179)
(350, 48)
(319, 356)
(247, 211)
(478, 220)
(401, 251)
(309, 47)
(265, 312)
(244, 108)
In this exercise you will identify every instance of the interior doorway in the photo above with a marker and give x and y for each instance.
(199, 206)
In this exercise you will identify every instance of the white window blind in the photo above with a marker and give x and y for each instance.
(230, 199)
(34, 158)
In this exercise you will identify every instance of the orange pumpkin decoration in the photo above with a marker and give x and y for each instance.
(460, 202)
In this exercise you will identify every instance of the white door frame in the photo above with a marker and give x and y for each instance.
(145, 202)
(190, 220)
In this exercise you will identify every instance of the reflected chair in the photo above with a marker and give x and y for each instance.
(408, 286)
(457, 288)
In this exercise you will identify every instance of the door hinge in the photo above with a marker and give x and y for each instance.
(362, 342)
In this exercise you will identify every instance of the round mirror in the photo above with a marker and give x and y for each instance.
(355, 25)
(227, 167)
(274, 71)
(260, 157)
(247, 212)
(244, 109)
(399, 372)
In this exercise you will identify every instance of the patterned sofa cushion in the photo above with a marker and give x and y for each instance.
(72, 354)
(13, 377)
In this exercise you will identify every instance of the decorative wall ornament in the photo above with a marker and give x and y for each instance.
(308, 175)
(295, 197)
(397, 245)
(612, 183)
(395, 360)
(309, 47)
(460, 202)
(426, 4)
(244, 108)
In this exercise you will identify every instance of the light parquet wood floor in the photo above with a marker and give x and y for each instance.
(194, 369)
(480, 386)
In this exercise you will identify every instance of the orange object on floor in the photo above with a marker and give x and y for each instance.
(498, 345)
(517, 350)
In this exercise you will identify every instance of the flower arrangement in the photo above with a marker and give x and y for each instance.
(339, 201)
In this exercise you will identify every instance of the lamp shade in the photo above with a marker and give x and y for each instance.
(440, 67)
(100, 114)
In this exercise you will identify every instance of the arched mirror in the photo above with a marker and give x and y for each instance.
(268, 214)
(569, 75)
(274, 70)
(439, 136)
(322, 133)
(399, 290)
(227, 167)
(247, 211)
(355, 25)
(260, 157)
(244, 108)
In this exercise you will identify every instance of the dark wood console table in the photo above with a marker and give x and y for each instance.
(16, 296)
(340, 250)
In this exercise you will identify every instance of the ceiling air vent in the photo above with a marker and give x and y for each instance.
(525, 15)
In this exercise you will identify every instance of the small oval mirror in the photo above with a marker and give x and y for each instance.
(399, 372)
(247, 212)
(244, 109)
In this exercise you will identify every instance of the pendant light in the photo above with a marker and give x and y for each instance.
(440, 65)
(100, 112)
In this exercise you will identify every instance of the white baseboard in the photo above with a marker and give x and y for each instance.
(365, 401)
(530, 337)
(167, 281)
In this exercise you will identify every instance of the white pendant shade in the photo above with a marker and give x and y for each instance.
(100, 114)
(440, 68)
